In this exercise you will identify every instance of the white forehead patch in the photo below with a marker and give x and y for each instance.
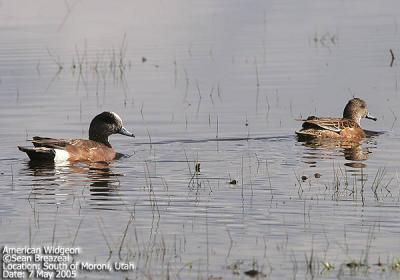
(116, 116)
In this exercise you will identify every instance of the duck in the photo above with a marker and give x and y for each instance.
(347, 128)
(95, 149)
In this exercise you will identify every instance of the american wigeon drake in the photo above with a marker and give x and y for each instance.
(346, 128)
(96, 149)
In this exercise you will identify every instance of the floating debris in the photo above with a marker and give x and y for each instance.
(328, 266)
(235, 267)
(354, 265)
(253, 273)
(396, 265)
(211, 277)
(379, 263)
(144, 59)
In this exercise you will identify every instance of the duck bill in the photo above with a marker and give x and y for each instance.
(125, 132)
(368, 116)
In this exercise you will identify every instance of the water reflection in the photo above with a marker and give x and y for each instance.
(329, 149)
(103, 181)
(52, 182)
(39, 169)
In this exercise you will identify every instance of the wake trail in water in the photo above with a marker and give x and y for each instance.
(225, 139)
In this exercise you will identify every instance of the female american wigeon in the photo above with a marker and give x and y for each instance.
(346, 128)
(96, 149)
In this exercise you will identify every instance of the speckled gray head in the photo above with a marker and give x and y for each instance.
(106, 124)
(356, 109)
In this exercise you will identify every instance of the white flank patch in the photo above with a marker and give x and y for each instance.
(61, 155)
(116, 116)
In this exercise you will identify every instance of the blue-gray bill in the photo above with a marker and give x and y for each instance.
(368, 116)
(123, 131)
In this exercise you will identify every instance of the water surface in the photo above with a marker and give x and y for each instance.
(216, 83)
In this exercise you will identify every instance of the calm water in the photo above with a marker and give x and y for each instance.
(218, 83)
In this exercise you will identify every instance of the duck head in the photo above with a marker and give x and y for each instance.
(106, 124)
(356, 109)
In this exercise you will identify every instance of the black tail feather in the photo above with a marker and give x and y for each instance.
(39, 153)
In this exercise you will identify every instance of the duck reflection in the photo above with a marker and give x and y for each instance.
(51, 179)
(103, 181)
(328, 148)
